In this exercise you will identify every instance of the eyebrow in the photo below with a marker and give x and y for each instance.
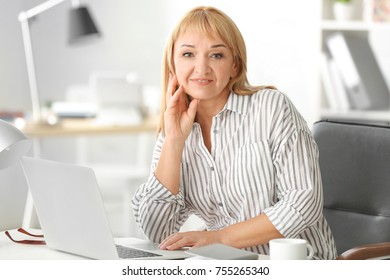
(213, 46)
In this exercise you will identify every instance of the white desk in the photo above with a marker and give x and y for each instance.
(10, 250)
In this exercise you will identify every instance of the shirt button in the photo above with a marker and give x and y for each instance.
(212, 168)
(220, 204)
(215, 131)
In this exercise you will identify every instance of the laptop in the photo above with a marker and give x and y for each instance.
(71, 212)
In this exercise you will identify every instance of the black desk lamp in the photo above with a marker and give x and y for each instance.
(81, 26)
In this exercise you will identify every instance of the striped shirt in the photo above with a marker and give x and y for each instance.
(263, 159)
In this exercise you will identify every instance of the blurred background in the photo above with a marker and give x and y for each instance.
(281, 37)
(119, 72)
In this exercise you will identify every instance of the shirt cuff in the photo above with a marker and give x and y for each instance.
(286, 220)
(160, 194)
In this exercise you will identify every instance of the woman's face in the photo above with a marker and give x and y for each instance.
(203, 65)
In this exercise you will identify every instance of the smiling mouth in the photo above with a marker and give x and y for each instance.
(201, 81)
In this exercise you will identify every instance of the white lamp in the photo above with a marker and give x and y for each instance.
(81, 26)
(13, 144)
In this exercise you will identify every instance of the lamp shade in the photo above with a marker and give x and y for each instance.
(13, 144)
(81, 24)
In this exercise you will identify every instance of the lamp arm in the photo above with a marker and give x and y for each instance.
(39, 9)
(24, 21)
(32, 80)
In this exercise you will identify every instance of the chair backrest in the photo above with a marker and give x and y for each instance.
(355, 168)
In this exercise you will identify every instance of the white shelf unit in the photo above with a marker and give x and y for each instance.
(362, 25)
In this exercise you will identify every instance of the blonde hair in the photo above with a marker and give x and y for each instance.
(210, 22)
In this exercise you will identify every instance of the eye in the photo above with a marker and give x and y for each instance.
(217, 55)
(187, 54)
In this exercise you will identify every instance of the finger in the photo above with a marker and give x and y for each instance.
(168, 238)
(177, 242)
(192, 108)
(171, 88)
(176, 97)
(169, 241)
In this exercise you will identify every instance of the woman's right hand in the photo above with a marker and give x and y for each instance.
(178, 120)
(178, 116)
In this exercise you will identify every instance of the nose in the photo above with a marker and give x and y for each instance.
(202, 66)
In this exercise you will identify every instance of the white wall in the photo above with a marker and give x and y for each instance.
(281, 36)
(282, 40)
(13, 83)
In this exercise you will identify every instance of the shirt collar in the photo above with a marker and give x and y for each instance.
(238, 103)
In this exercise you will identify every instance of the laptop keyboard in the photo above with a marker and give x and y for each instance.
(131, 253)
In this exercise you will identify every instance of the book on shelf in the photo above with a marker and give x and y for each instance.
(380, 10)
(334, 89)
(361, 75)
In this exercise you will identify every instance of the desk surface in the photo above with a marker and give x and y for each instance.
(14, 251)
(10, 250)
(86, 127)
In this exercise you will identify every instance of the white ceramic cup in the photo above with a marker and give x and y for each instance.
(290, 249)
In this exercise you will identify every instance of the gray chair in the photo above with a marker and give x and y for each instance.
(355, 168)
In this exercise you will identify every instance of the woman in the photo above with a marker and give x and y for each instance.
(239, 157)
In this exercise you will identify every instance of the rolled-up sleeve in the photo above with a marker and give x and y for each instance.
(157, 211)
(299, 199)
